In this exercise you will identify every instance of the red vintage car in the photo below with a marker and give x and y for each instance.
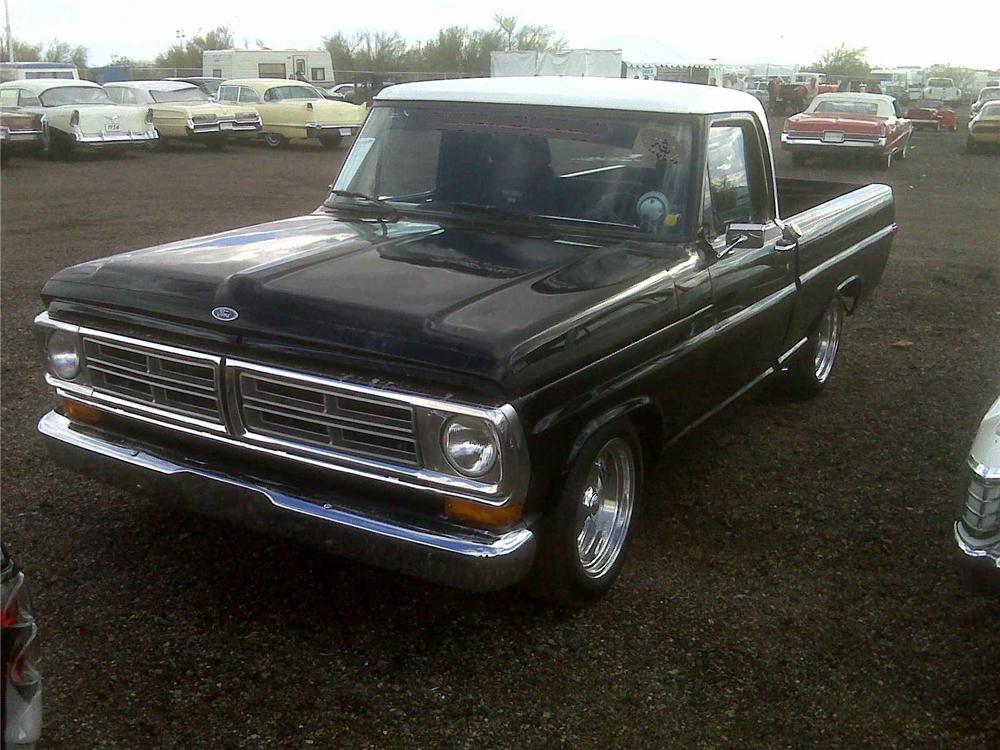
(932, 113)
(868, 125)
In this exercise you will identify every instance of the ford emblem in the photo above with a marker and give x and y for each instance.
(225, 314)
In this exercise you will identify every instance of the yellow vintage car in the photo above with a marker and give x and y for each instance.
(984, 128)
(183, 111)
(294, 110)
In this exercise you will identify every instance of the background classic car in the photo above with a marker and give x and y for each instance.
(183, 111)
(20, 132)
(80, 114)
(599, 267)
(984, 129)
(988, 94)
(932, 113)
(849, 124)
(293, 110)
(977, 530)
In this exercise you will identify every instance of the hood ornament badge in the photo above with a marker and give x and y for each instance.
(225, 314)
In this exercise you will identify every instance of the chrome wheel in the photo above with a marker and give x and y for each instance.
(827, 340)
(606, 505)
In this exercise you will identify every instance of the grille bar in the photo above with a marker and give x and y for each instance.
(327, 417)
(157, 377)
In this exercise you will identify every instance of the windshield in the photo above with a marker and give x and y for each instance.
(74, 95)
(618, 172)
(281, 93)
(193, 94)
(989, 95)
(847, 107)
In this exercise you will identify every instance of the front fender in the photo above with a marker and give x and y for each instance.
(642, 408)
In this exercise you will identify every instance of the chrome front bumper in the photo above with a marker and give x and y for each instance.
(988, 553)
(470, 559)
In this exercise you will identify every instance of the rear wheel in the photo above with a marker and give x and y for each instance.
(330, 142)
(60, 147)
(274, 140)
(810, 368)
(583, 539)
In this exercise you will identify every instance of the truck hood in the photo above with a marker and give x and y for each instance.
(851, 123)
(461, 299)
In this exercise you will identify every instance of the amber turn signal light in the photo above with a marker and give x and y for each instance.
(482, 515)
(80, 412)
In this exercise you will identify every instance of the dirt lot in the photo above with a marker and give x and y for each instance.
(793, 583)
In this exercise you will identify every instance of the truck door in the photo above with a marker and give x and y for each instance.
(753, 289)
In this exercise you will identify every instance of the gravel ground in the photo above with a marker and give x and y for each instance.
(793, 583)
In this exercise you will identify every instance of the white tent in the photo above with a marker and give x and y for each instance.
(601, 63)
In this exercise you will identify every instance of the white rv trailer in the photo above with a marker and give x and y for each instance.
(314, 66)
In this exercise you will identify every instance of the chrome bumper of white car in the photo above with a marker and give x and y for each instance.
(123, 137)
(977, 531)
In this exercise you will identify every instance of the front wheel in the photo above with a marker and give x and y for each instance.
(810, 368)
(274, 140)
(583, 539)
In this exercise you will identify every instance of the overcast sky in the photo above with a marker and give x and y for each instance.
(963, 32)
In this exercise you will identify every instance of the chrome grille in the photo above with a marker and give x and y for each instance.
(161, 379)
(326, 417)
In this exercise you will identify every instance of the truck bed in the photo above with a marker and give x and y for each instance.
(798, 195)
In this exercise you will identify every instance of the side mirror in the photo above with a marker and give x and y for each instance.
(750, 236)
(790, 235)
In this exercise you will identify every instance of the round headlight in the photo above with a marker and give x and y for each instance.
(469, 445)
(64, 357)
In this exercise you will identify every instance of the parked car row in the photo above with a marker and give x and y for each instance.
(62, 115)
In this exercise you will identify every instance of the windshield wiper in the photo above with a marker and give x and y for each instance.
(494, 212)
(371, 201)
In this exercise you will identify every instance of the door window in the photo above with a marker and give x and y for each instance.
(227, 93)
(8, 98)
(114, 94)
(734, 185)
(248, 96)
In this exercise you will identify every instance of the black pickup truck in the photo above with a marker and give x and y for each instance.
(463, 363)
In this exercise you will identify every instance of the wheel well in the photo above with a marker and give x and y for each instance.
(849, 293)
(649, 425)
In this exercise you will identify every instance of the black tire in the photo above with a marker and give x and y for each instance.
(275, 140)
(805, 378)
(331, 142)
(60, 147)
(558, 575)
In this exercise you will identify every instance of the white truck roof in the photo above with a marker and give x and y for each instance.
(627, 94)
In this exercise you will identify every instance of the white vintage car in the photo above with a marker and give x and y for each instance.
(293, 110)
(79, 114)
(977, 531)
(183, 110)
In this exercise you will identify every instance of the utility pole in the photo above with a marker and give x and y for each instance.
(10, 46)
